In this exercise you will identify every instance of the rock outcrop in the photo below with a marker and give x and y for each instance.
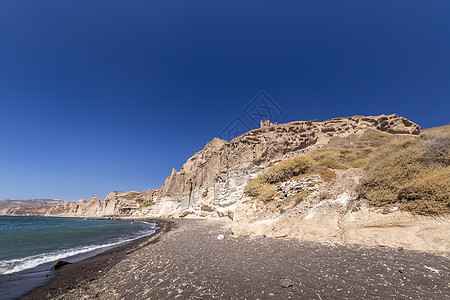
(115, 203)
(23, 207)
(333, 213)
(212, 180)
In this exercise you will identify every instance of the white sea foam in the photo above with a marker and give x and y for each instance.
(16, 265)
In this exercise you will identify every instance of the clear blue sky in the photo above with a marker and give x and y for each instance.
(110, 95)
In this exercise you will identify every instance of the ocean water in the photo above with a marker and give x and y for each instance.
(27, 242)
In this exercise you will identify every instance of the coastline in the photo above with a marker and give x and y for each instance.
(185, 259)
(23, 283)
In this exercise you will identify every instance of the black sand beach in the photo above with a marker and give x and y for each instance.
(185, 260)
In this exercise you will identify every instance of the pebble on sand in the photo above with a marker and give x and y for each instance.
(286, 283)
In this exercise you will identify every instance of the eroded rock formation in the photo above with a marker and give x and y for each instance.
(213, 179)
(333, 213)
(114, 203)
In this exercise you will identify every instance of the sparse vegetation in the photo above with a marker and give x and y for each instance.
(264, 191)
(327, 174)
(144, 203)
(372, 135)
(413, 173)
(285, 170)
(320, 161)
(263, 187)
(341, 158)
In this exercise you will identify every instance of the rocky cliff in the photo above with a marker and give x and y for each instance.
(212, 180)
(23, 207)
(372, 189)
(115, 203)
(311, 207)
(332, 212)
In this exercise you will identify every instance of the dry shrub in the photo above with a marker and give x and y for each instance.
(437, 145)
(372, 135)
(413, 173)
(341, 158)
(358, 163)
(428, 194)
(380, 197)
(285, 170)
(370, 138)
(262, 186)
(267, 193)
(262, 191)
(144, 203)
(327, 174)
(253, 188)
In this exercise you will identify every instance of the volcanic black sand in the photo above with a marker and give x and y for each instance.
(185, 260)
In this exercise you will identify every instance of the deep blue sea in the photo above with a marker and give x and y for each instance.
(29, 245)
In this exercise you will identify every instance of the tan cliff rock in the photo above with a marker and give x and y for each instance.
(114, 203)
(212, 180)
(23, 207)
(333, 213)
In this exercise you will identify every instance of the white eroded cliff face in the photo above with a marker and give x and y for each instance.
(332, 213)
(114, 203)
(212, 181)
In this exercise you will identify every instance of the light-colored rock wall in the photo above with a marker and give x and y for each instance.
(215, 177)
(366, 226)
(342, 218)
(110, 205)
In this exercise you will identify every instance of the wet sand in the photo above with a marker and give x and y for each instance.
(185, 260)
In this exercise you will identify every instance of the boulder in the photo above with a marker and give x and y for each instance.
(59, 264)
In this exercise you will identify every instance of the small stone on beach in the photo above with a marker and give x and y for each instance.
(432, 269)
(286, 283)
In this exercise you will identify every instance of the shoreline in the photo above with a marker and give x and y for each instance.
(95, 262)
(185, 259)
